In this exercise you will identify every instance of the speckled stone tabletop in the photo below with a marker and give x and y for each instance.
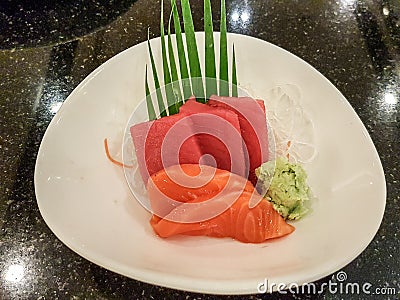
(48, 47)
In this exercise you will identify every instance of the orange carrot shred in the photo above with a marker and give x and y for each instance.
(118, 163)
(288, 147)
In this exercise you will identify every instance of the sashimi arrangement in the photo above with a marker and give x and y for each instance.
(204, 154)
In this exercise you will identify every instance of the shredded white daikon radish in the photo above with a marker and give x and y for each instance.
(292, 127)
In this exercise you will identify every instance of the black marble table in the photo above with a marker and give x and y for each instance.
(48, 47)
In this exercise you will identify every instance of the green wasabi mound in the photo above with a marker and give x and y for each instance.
(288, 191)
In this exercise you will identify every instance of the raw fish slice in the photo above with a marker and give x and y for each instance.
(235, 219)
(179, 184)
(198, 134)
(148, 138)
(253, 126)
(221, 138)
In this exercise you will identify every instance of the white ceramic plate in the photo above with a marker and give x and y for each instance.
(86, 202)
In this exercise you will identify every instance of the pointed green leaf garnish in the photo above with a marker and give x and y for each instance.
(150, 108)
(234, 77)
(223, 55)
(183, 67)
(174, 72)
(160, 101)
(167, 76)
(193, 55)
(211, 82)
(190, 68)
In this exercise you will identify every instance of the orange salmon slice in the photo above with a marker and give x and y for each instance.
(196, 200)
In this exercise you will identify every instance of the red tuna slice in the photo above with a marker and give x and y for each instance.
(253, 126)
(154, 154)
(218, 135)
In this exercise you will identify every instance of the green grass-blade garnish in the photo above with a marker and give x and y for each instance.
(160, 101)
(234, 77)
(193, 55)
(174, 71)
(149, 101)
(211, 82)
(167, 76)
(190, 71)
(183, 67)
(223, 55)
